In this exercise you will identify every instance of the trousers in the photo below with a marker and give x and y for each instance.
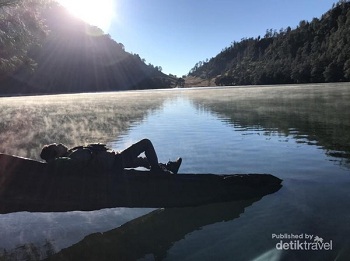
(130, 156)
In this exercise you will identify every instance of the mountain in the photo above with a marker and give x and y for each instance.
(76, 57)
(316, 51)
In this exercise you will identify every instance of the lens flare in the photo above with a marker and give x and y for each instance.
(99, 13)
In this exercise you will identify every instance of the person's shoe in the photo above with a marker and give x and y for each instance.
(174, 166)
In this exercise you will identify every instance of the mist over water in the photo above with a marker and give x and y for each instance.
(297, 133)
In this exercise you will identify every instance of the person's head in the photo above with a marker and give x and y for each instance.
(53, 151)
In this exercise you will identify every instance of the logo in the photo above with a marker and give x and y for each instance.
(301, 242)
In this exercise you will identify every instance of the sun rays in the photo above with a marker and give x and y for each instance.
(99, 13)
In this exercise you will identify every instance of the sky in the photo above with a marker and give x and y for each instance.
(176, 34)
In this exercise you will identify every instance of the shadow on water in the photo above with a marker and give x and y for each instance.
(152, 234)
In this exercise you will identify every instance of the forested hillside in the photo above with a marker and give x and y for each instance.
(315, 51)
(46, 50)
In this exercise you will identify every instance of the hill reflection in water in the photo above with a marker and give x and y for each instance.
(312, 115)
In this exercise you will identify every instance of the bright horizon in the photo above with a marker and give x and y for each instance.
(177, 34)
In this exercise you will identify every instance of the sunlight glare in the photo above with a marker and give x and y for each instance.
(99, 13)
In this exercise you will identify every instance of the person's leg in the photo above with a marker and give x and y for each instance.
(131, 159)
(138, 162)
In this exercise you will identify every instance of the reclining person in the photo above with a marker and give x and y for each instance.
(99, 155)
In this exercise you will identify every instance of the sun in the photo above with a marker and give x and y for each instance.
(99, 13)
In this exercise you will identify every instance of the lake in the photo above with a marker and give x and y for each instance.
(299, 133)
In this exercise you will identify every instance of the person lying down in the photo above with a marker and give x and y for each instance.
(106, 159)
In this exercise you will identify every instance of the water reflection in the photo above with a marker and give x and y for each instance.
(298, 133)
(152, 234)
(240, 130)
(311, 115)
(34, 236)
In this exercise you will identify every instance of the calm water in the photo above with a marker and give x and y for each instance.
(300, 134)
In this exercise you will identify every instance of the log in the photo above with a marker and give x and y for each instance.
(30, 185)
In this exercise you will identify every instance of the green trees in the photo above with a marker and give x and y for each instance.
(316, 51)
(44, 49)
(20, 29)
